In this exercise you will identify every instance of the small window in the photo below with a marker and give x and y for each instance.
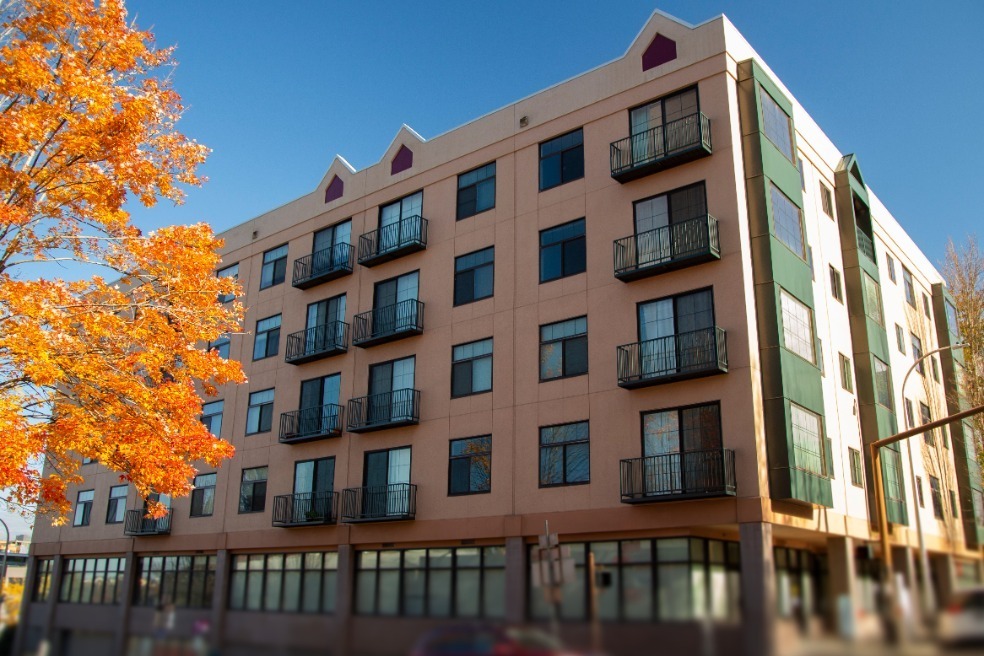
(471, 368)
(212, 417)
(910, 289)
(259, 415)
(910, 416)
(83, 508)
(900, 338)
(561, 159)
(776, 125)
(826, 200)
(228, 272)
(797, 327)
(274, 269)
(470, 466)
(203, 496)
(562, 251)
(890, 264)
(934, 365)
(926, 310)
(799, 167)
(267, 341)
(564, 455)
(836, 284)
(476, 191)
(937, 497)
(951, 318)
(474, 276)
(252, 490)
(116, 510)
(953, 504)
(564, 349)
(221, 345)
(857, 473)
(919, 492)
(926, 416)
(820, 361)
(917, 354)
(883, 383)
(788, 220)
(872, 299)
(847, 376)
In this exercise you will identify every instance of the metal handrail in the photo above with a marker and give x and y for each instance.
(661, 142)
(398, 406)
(670, 243)
(323, 338)
(405, 316)
(409, 231)
(310, 422)
(698, 473)
(866, 245)
(379, 502)
(337, 257)
(136, 522)
(689, 352)
(305, 508)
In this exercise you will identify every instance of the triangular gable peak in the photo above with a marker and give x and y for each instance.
(400, 154)
(663, 40)
(333, 182)
(850, 164)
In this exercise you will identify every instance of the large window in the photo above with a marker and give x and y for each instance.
(203, 496)
(883, 383)
(561, 159)
(797, 327)
(463, 582)
(259, 414)
(474, 276)
(231, 271)
(284, 582)
(470, 465)
(116, 509)
(664, 580)
(681, 450)
(92, 581)
(776, 125)
(788, 220)
(562, 251)
(252, 490)
(471, 368)
(917, 354)
(910, 288)
(267, 341)
(274, 269)
(808, 441)
(476, 191)
(564, 349)
(83, 508)
(872, 300)
(564, 454)
(183, 581)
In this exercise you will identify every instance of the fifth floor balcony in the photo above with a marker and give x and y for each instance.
(310, 424)
(324, 265)
(675, 476)
(386, 410)
(388, 323)
(394, 240)
(136, 523)
(686, 355)
(667, 248)
(318, 342)
(662, 147)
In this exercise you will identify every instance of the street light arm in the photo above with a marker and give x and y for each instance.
(898, 437)
(926, 355)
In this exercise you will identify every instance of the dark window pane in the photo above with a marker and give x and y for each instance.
(574, 256)
(483, 282)
(460, 474)
(578, 466)
(461, 378)
(551, 465)
(576, 356)
(549, 172)
(573, 165)
(550, 263)
(464, 287)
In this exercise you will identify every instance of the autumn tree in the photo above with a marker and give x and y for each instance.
(110, 366)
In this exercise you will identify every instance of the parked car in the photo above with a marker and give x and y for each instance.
(962, 622)
(488, 640)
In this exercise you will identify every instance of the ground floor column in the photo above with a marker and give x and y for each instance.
(123, 618)
(24, 622)
(48, 632)
(943, 576)
(345, 593)
(219, 600)
(758, 589)
(516, 576)
(843, 586)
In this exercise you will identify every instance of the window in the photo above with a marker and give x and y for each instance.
(872, 300)
(562, 251)
(42, 579)
(820, 361)
(836, 286)
(203, 496)
(676, 334)
(883, 383)
(86, 460)
(788, 220)
(776, 125)
(476, 191)
(799, 167)
(83, 508)
(92, 581)
(184, 581)
(926, 310)
(910, 290)
(809, 262)
(910, 416)
(395, 306)
(228, 272)
(474, 276)
(252, 490)
(808, 445)
(917, 354)
(267, 341)
(681, 449)
(953, 505)
(826, 200)
(314, 483)
(847, 377)
(221, 345)
(978, 499)
(900, 338)
(935, 367)
(564, 455)
(400, 223)
(470, 466)
(471, 368)
(116, 510)
(284, 582)
(926, 416)
(797, 327)
(212, 417)
(274, 269)
(259, 415)
(857, 473)
(890, 263)
(937, 497)
(564, 349)
(561, 159)
(951, 318)
(919, 492)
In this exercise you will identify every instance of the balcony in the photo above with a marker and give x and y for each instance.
(665, 249)
(316, 343)
(662, 147)
(675, 476)
(137, 524)
(386, 410)
(395, 240)
(865, 245)
(389, 323)
(676, 357)
(311, 424)
(305, 509)
(381, 503)
(322, 266)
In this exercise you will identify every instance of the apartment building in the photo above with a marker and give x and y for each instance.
(653, 306)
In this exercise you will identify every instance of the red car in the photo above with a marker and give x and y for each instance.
(488, 640)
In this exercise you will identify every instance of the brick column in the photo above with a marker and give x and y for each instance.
(344, 594)
(123, 619)
(219, 600)
(516, 567)
(758, 589)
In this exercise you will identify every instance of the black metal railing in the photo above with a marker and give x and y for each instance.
(686, 474)
(667, 247)
(136, 523)
(386, 410)
(388, 323)
(311, 423)
(305, 508)
(684, 355)
(666, 145)
(380, 503)
(314, 343)
(390, 241)
(323, 265)
(865, 245)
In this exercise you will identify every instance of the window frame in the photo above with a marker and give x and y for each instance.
(200, 495)
(223, 345)
(231, 271)
(764, 95)
(113, 503)
(208, 416)
(470, 361)
(239, 598)
(836, 285)
(261, 406)
(564, 446)
(266, 333)
(562, 245)
(481, 454)
(459, 215)
(83, 506)
(890, 264)
(827, 201)
(565, 373)
(909, 287)
(917, 353)
(786, 343)
(278, 267)
(847, 373)
(252, 487)
(857, 468)
(800, 250)
(826, 468)
(900, 338)
(459, 275)
(875, 361)
(560, 155)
